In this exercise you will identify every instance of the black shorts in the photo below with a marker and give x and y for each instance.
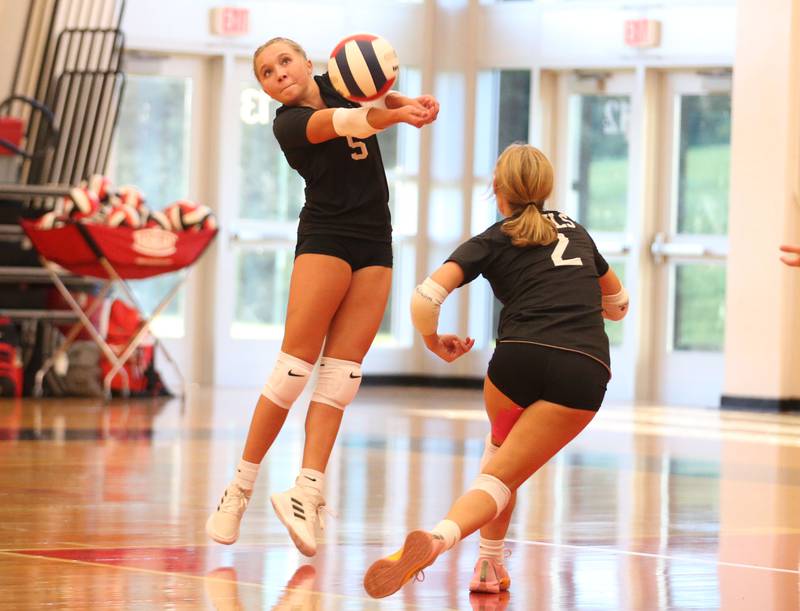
(526, 373)
(356, 252)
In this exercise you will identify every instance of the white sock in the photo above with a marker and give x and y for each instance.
(309, 478)
(246, 473)
(492, 548)
(449, 531)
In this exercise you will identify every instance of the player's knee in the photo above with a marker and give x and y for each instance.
(504, 421)
(489, 450)
(338, 382)
(494, 488)
(287, 381)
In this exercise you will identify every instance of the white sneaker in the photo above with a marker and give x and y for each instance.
(298, 508)
(223, 524)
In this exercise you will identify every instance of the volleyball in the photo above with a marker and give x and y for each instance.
(81, 203)
(156, 218)
(363, 67)
(123, 215)
(101, 186)
(184, 215)
(50, 220)
(131, 196)
(175, 211)
(200, 218)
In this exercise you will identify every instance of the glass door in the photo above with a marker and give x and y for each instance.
(691, 246)
(594, 171)
(156, 148)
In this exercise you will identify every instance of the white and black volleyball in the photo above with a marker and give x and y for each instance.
(363, 67)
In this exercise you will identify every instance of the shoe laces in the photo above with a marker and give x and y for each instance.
(324, 509)
(233, 501)
(319, 506)
(420, 574)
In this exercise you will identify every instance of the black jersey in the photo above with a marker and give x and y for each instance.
(550, 294)
(346, 190)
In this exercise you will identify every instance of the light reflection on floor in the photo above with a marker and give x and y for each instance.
(651, 508)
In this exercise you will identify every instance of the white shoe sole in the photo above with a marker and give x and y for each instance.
(283, 512)
(216, 537)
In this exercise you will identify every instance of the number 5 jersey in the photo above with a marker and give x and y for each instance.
(346, 190)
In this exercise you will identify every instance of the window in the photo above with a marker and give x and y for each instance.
(503, 117)
(704, 159)
(703, 177)
(151, 151)
(598, 138)
(699, 307)
(270, 199)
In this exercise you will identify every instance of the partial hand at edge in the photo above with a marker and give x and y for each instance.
(791, 261)
(448, 347)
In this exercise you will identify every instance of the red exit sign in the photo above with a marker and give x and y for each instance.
(230, 21)
(642, 33)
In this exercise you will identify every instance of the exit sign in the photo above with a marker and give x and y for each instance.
(642, 33)
(230, 21)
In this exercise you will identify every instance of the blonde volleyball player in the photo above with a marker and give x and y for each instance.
(548, 375)
(341, 277)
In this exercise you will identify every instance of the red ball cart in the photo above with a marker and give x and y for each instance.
(114, 255)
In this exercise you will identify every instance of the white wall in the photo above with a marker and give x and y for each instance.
(552, 35)
(586, 35)
(318, 26)
(763, 314)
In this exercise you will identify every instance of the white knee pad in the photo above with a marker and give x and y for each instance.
(489, 450)
(287, 380)
(338, 382)
(494, 488)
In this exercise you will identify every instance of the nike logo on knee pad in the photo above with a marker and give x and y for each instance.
(352, 376)
(296, 375)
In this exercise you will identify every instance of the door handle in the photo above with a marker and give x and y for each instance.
(660, 248)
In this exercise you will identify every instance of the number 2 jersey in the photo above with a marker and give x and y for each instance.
(346, 190)
(550, 294)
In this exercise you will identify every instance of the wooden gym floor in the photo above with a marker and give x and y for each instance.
(103, 507)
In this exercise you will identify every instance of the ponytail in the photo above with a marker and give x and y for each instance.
(530, 228)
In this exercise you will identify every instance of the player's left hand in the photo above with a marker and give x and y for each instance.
(448, 347)
(431, 104)
(793, 261)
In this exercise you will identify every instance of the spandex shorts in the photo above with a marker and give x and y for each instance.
(526, 373)
(354, 251)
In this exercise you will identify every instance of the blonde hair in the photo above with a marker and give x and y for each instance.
(524, 177)
(295, 46)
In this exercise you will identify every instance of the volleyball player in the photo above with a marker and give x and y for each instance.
(548, 374)
(340, 281)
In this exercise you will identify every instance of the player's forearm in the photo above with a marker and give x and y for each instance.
(381, 118)
(395, 99)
